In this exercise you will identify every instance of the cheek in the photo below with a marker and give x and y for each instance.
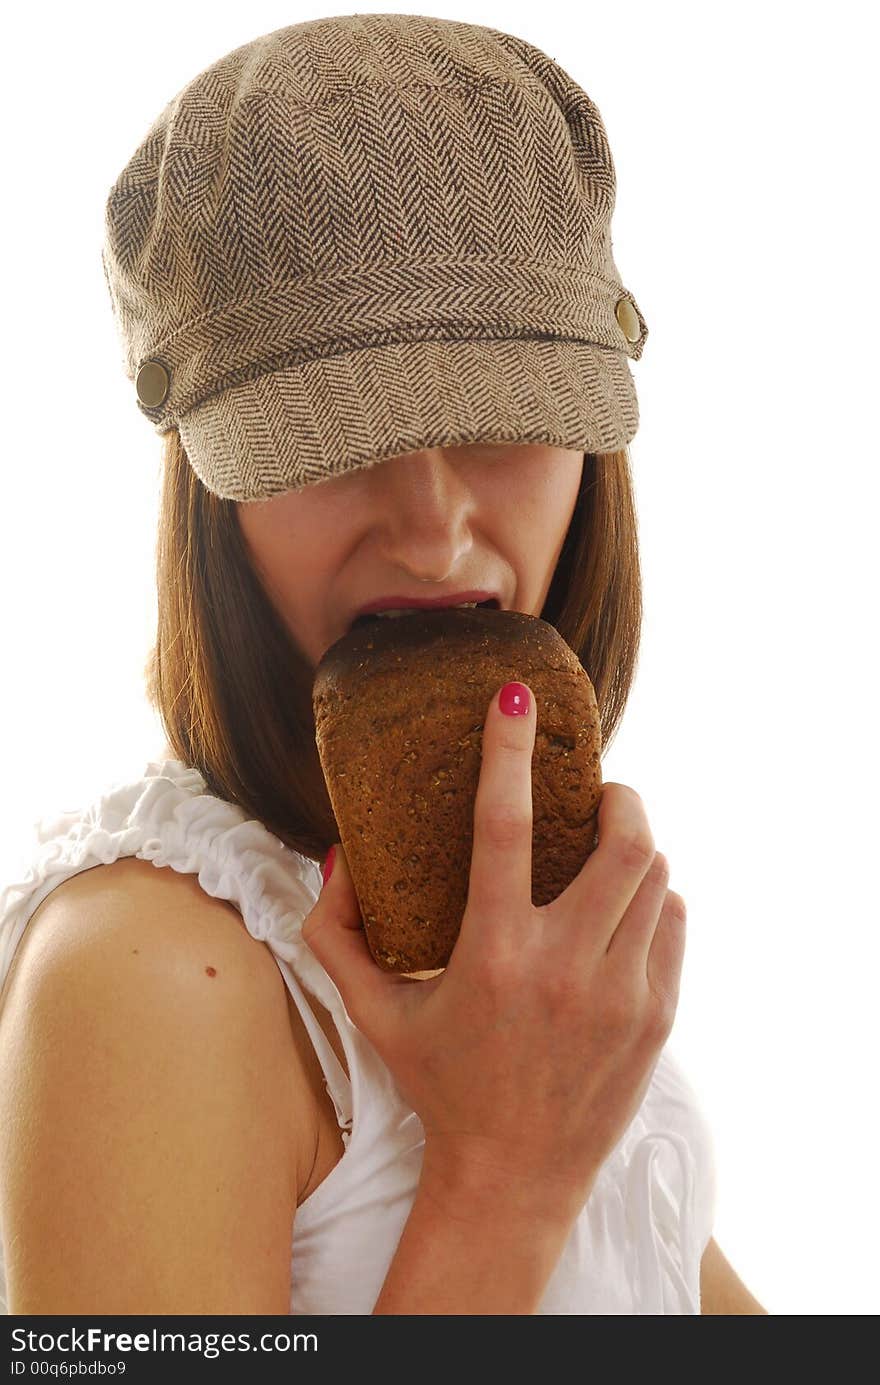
(561, 497)
(277, 554)
(542, 505)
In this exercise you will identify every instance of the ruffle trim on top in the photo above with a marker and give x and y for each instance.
(167, 817)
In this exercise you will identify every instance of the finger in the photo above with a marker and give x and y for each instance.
(634, 934)
(500, 884)
(666, 954)
(607, 883)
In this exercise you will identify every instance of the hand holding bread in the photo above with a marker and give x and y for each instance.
(528, 1057)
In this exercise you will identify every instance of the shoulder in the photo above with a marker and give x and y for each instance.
(139, 940)
(131, 909)
(148, 1082)
(148, 1063)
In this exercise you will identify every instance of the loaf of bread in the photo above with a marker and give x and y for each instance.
(399, 707)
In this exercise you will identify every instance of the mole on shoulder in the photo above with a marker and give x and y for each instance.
(212, 971)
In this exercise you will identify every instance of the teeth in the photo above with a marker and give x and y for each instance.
(463, 605)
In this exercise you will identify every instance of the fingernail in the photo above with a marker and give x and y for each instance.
(327, 868)
(514, 700)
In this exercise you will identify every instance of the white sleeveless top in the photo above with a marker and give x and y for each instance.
(636, 1246)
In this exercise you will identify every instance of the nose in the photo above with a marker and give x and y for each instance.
(423, 511)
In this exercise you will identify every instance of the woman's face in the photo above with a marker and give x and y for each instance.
(486, 516)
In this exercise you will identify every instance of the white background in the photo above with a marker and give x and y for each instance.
(744, 138)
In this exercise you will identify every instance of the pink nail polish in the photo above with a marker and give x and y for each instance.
(515, 700)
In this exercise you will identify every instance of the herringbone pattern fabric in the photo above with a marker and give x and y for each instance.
(359, 236)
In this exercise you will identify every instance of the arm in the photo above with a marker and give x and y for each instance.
(721, 1289)
(147, 1150)
(470, 1248)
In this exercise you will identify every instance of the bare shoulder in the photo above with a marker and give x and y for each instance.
(153, 1105)
(131, 901)
(130, 926)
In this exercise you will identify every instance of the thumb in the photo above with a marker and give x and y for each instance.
(334, 931)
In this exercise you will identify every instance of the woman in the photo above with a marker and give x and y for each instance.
(362, 273)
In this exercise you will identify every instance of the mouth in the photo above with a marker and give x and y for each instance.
(373, 617)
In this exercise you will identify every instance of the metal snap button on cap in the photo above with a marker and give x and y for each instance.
(629, 319)
(152, 384)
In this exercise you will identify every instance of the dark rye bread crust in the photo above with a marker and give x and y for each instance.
(399, 707)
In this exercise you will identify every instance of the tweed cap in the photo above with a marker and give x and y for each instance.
(360, 236)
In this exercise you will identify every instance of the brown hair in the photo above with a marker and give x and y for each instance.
(233, 690)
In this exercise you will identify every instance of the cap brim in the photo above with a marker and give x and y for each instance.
(304, 424)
